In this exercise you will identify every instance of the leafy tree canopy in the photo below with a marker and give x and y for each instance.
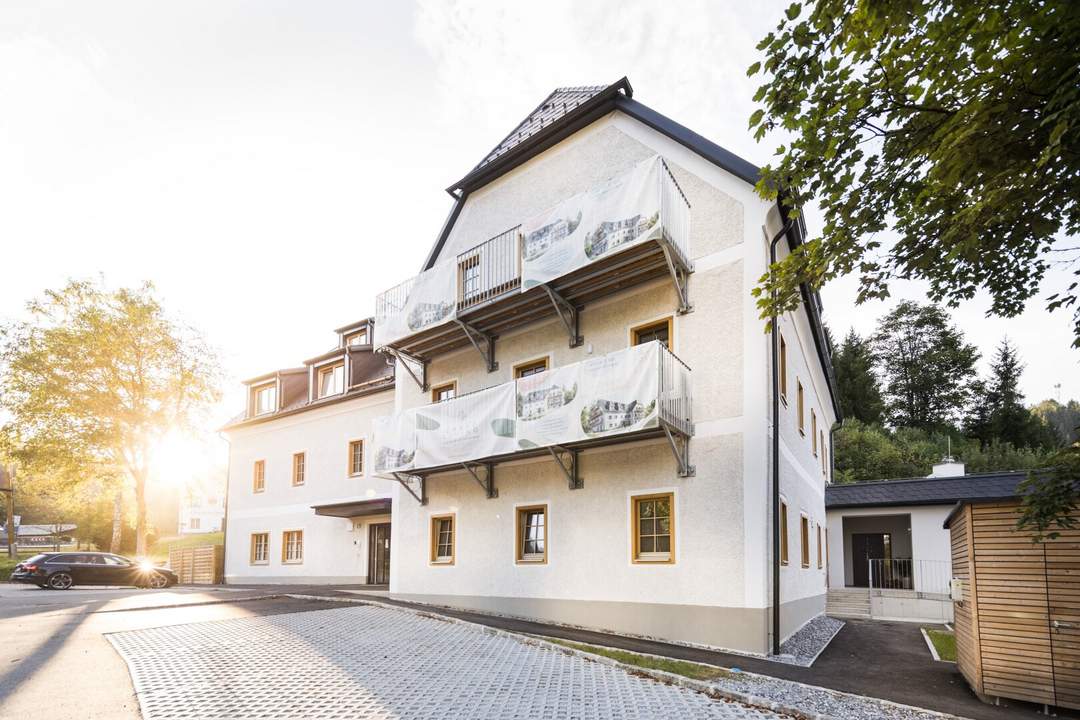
(957, 124)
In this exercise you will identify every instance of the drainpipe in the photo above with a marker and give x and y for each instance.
(225, 520)
(775, 338)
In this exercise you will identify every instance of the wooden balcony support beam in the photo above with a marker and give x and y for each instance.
(569, 467)
(483, 342)
(568, 314)
(415, 366)
(487, 483)
(680, 448)
(680, 276)
(406, 480)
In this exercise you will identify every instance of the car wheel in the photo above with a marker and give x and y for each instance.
(60, 581)
(158, 581)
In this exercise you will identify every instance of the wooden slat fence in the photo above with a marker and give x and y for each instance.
(199, 565)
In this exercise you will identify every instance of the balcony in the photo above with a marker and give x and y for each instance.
(633, 394)
(624, 232)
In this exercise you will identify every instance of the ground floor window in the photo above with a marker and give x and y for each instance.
(442, 539)
(292, 546)
(783, 533)
(532, 534)
(654, 528)
(804, 540)
(260, 548)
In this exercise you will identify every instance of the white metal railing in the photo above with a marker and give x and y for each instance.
(494, 268)
(489, 269)
(922, 576)
(675, 401)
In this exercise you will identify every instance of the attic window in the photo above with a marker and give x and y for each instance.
(357, 338)
(264, 399)
(331, 379)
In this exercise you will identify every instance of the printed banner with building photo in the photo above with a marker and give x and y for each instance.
(581, 229)
(480, 424)
(395, 442)
(427, 300)
(548, 407)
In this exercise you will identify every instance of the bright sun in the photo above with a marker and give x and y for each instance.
(177, 460)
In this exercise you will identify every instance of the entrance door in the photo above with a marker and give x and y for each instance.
(379, 554)
(865, 547)
(1063, 595)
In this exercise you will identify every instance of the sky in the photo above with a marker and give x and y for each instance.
(270, 166)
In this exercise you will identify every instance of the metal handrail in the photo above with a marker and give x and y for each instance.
(921, 576)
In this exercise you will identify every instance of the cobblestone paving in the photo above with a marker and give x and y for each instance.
(377, 662)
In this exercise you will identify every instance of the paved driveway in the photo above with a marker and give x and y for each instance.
(371, 661)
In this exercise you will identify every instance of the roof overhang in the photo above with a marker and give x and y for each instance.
(354, 508)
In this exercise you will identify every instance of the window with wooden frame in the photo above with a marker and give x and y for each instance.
(442, 540)
(532, 534)
(357, 338)
(196, 523)
(783, 533)
(264, 399)
(533, 367)
(821, 439)
(660, 330)
(654, 528)
(356, 458)
(826, 547)
(260, 548)
(292, 547)
(799, 405)
(804, 540)
(813, 431)
(258, 479)
(783, 370)
(447, 391)
(469, 278)
(331, 379)
(299, 468)
(819, 547)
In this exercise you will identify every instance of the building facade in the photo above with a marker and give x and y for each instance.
(303, 503)
(200, 513)
(584, 436)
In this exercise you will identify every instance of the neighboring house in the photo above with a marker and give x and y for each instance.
(889, 551)
(201, 513)
(303, 504)
(40, 535)
(662, 525)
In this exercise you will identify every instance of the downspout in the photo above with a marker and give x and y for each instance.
(775, 338)
(225, 520)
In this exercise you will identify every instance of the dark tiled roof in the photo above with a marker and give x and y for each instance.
(554, 107)
(925, 491)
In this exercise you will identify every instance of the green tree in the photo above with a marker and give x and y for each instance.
(856, 384)
(93, 381)
(1010, 420)
(956, 124)
(1064, 420)
(925, 366)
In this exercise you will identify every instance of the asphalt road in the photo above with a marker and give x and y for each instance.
(55, 663)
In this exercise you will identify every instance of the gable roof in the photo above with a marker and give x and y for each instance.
(925, 491)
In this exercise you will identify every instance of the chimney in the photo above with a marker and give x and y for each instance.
(948, 467)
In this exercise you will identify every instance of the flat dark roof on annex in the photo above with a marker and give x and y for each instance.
(925, 491)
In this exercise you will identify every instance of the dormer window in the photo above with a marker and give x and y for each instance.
(331, 379)
(360, 337)
(265, 399)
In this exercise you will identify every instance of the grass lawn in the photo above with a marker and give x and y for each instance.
(944, 643)
(159, 551)
(677, 667)
(8, 564)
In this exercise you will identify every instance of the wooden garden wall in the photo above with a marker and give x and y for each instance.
(1018, 626)
(200, 565)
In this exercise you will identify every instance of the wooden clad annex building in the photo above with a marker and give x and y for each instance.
(1017, 606)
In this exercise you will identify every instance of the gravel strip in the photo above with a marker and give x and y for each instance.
(803, 647)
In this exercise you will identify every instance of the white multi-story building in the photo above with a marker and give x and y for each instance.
(642, 502)
(200, 512)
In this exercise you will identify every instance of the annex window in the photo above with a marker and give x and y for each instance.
(654, 528)
(299, 468)
(196, 523)
(292, 546)
(813, 431)
(783, 370)
(444, 392)
(442, 540)
(260, 548)
(357, 338)
(265, 400)
(818, 547)
(804, 540)
(331, 379)
(532, 534)
(783, 533)
(799, 404)
(660, 330)
(258, 481)
(533, 367)
(356, 458)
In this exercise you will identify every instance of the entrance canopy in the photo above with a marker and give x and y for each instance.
(356, 508)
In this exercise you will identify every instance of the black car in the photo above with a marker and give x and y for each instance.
(61, 570)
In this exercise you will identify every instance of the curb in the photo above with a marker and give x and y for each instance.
(702, 686)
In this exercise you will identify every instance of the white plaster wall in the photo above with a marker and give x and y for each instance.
(334, 548)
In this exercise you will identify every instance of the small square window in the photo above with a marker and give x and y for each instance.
(331, 380)
(660, 330)
(532, 534)
(654, 528)
(265, 399)
(357, 338)
(442, 540)
(533, 367)
(444, 392)
(356, 458)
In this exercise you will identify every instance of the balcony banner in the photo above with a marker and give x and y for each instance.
(607, 395)
(584, 228)
(480, 424)
(427, 300)
(395, 442)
